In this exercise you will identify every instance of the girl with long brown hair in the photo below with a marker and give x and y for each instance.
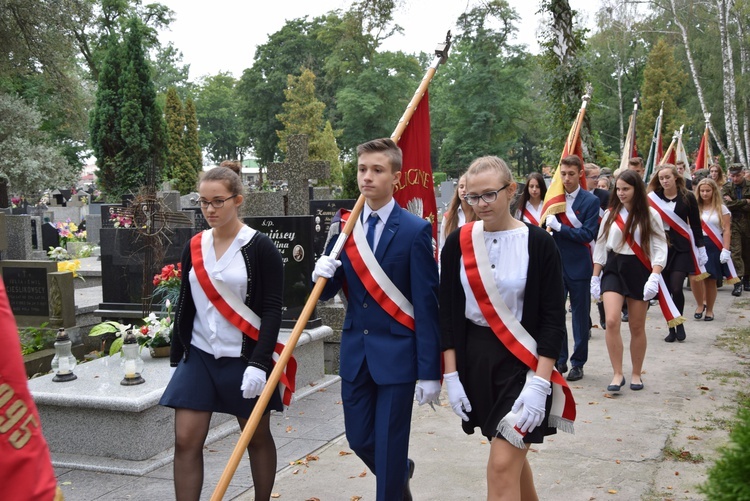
(620, 274)
(458, 212)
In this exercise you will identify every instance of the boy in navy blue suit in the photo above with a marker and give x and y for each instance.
(390, 341)
(573, 231)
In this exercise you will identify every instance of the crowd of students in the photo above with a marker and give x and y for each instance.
(488, 324)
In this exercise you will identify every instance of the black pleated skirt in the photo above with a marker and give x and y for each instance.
(494, 378)
(625, 275)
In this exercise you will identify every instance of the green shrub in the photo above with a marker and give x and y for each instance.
(729, 477)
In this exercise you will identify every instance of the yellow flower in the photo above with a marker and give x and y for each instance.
(71, 266)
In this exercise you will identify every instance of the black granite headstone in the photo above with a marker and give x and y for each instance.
(200, 221)
(292, 235)
(322, 212)
(107, 221)
(27, 290)
(34, 236)
(50, 236)
(122, 256)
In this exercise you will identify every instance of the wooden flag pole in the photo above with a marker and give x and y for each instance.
(441, 55)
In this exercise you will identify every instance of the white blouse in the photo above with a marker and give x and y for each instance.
(614, 241)
(509, 254)
(212, 332)
(535, 211)
(461, 221)
(711, 217)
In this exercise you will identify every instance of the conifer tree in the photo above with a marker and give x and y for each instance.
(192, 149)
(303, 114)
(141, 121)
(177, 162)
(663, 79)
(104, 122)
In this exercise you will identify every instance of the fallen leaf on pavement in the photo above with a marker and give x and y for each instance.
(363, 474)
(344, 453)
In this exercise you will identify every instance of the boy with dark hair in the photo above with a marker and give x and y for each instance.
(390, 341)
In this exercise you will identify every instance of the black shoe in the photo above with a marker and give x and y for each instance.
(746, 285)
(624, 317)
(576, 373)
(720, 283)
(561, 368)
(680, 333)
(671, 336)
(737, 292)
(699, 315)
(616, 387)
(407, 490)
(636, 386)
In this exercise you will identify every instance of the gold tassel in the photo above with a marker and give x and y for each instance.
(676, 321)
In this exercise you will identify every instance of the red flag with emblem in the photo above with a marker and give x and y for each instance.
(415, 191)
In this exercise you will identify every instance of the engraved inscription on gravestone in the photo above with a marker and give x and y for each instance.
(292, 236)
(27, 290)
(322, 212)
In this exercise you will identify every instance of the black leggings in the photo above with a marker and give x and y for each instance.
(675, 281)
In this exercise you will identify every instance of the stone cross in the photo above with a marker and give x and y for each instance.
(297, 171)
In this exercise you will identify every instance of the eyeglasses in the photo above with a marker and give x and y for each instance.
(488, 197)
(217, 203)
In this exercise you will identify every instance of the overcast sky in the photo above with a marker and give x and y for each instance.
(221, 35)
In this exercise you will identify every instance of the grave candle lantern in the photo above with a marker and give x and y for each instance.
(63, 362)
(131, 362)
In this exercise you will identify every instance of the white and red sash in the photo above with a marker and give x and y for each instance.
(530, 215)
(714, 233)
(569, 219)
(375, 280)
(666, 303)
(681, 227)
(510, 332)
(236, 311)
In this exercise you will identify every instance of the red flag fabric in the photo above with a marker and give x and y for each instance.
(703, 160)
(415, 191)
(25, 461)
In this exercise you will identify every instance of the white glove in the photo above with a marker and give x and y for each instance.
(253, 381)
(172, 370)
(533, 399)
(427, 392)
(456, 395)
(651, 287)
(325, 267)
(702, 256)
(553, 222)
(596, 287)
(725, 256)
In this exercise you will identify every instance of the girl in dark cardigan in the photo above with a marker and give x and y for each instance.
(669, 186)
(215, 366)
(485, 380)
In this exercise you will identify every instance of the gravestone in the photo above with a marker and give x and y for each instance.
(19, 237)
(38, 293)
(3, 235)
(297, 171)
(171, 200)
(50, 237)
(199, 222)
(107, 212)
(292, 236)
(322, 212)
(123, 253)
(93, 227)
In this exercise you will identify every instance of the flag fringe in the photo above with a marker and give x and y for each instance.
(676, 321)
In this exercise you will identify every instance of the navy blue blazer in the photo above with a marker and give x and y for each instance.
(576, 257)
(394, 353)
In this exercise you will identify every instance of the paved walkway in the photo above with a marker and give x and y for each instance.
(626, 445)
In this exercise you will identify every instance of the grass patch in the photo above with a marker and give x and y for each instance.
(681, 455)
(735, 339)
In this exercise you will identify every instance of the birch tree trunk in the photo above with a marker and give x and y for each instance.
(734, 143)
(743, 78)
(696, 81)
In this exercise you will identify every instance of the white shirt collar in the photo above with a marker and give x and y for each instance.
(383, 213)
(573, 195)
